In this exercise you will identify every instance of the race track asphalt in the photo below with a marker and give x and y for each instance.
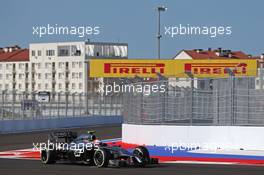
(33, 167)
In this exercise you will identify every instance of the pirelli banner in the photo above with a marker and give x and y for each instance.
(172, 68)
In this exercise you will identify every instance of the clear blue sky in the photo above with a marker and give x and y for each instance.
(135, 22)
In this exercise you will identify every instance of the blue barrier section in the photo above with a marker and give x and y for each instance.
(11, 126)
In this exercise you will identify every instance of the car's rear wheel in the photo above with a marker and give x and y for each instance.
(48, 156)
(141, 153)
(101, 158)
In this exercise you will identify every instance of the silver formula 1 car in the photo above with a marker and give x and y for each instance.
(87, 149)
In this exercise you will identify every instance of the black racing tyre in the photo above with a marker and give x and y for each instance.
(48, 156)
(71, 157)
(101, 158)
(142, 153)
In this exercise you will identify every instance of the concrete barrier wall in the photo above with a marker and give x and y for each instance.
(8, 126)
(227, 137)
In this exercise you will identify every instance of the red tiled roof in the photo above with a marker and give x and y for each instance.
(212, 55)
(16, 55)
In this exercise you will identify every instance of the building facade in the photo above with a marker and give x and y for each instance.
(14, 69)
(54, 67)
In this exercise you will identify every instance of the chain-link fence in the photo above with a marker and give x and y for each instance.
(225, 101)
(21, 106)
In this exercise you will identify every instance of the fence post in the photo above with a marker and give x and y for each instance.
(192, 88)
(66, 103)
(58, 105)
(13, 101)
(23, 103)
(217, 107)
(233, 100)
(51, 100)
(81, 102)
(37, 105)
(248, 99)
(3, 105)
(142, 105)
(86, 103)
(73, 103)
(99, 108)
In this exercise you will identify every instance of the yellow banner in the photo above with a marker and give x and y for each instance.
(172, 68)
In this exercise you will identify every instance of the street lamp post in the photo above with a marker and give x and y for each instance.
(159, 9)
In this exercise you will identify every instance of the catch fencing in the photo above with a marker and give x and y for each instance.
(23, 106)
(226, 101)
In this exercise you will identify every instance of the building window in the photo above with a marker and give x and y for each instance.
(20, 86)
(1, 86)
(50, 52)
(80, 85)
(61, 75)
(39, 75)
(20, 65)
(60, 86)
(74, 75)
(80, 74)
(0, 66)
(20, 76)
(63, 50)
(75, 51)
(73, 86)
(39, 86)
(73, 64)
(39, 65)
(60, 64)
(47, 65)
(33, 53)
(80, 64)
(39, 52)
(1, 76)
(46, 75)
(46, 86)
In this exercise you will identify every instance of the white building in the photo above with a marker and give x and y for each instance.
(14, 69)
(53, 67)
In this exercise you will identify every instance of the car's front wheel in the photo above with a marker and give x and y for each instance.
(48, 156)
(101, 158)
(142, 154)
